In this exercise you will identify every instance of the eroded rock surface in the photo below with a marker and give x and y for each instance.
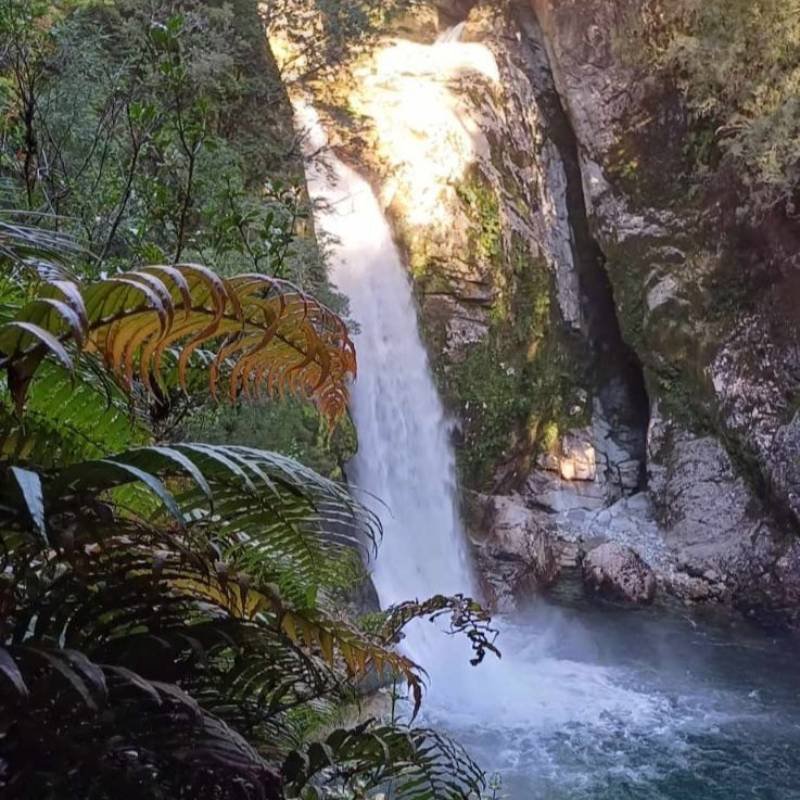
(520, 555)
(708, 295)
(618, 572)
(621, 360)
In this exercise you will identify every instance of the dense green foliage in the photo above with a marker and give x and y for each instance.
(174, 620)
(290, 427)
(132, 124)
(738, 64)
(157, 132)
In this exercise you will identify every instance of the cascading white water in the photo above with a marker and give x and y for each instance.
(451, 34)
(404, 456)
(405, 459)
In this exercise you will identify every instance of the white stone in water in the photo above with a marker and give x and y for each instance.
(619, 572)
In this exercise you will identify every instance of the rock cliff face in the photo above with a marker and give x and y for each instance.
(710, 301)
(621, 357)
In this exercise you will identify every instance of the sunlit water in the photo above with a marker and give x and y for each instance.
(404, 457)
(585, 703)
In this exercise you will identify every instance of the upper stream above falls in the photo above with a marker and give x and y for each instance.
(586, 703)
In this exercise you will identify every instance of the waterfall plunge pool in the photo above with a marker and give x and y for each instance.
(596, 703)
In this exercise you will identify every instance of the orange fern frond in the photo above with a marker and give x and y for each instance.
(312, 629)
(266, 334)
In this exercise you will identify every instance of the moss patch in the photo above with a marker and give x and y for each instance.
(484, 209)
(515, 390)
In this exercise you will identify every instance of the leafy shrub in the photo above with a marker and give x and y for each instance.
(167, 607)
(172, 612)
(738, 64)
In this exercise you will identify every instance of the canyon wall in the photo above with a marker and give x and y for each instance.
(618, 350)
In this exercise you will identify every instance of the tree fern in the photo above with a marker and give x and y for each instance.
(160, 604)
(268, 335)
(167, 608)
(69, 418)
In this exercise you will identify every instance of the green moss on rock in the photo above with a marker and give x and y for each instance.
(484, 209)
(517, 390)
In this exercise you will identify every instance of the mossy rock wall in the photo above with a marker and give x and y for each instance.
(515, 389)
(460, 176)
(468, 160)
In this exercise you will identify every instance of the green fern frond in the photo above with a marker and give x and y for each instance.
(69, 418)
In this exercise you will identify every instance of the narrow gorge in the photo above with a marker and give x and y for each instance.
(594, 432)
(569, 299)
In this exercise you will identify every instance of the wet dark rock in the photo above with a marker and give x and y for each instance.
(617, 572)
(707, 293)
(518, 555)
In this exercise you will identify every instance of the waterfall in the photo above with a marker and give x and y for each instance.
(451, 35)
(405, 465)
(571, 712)
(404, 458)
